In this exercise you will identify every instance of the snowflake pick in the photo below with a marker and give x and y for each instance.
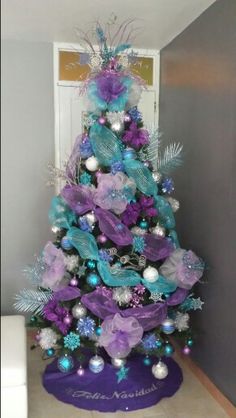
(122, 374)
(86, 326)
(181, 321)
(156, 297)
(71, 341)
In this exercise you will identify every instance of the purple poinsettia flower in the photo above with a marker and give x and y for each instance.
(56, 313)
(131, 214)
(146, 204)
(136, 137)
(110, 87)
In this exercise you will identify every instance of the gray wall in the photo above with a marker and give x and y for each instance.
(27, 146)
(198, 108)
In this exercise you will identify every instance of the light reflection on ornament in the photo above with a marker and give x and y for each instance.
(74, 282)
(96, 364)
(129, 154)
(168, 326)
(79, 311)
(91, 163)
(186, 350)
(102, 239)
(80, 372)
(66, 244)
(118, 362)
(160, 370)
(150, 274)
(93, 280)
(102, 120)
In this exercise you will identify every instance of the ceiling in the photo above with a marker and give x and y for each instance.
(159, 21)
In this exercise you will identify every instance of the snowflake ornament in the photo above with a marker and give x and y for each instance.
(181, 321)
(71, 262)
(122, 295)
(72, 341)
(86, 326)
(48, 338)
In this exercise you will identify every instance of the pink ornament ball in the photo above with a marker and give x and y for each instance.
(186, 350)
(102, 120)
(80, 371)
(37, 337)
(74, 282)
(67, 320)
(102, 239)
(127, 118)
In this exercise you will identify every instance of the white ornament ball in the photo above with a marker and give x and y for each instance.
(79, 311)
(160, 370)
(91, 218)
(156, 176)
(96, 364)
(168, 326)
(118, 362)
(48, 338)
(91, 163)
(150, 274)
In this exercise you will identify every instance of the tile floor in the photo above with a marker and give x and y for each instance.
(191, 401)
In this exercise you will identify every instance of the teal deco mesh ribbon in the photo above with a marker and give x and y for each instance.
(165, 213)
(162, 285)
(174, 238)
(60, 215)
(142, 177)
(86, 245)
(105, 144)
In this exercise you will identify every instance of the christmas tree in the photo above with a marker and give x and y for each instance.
(115, 279)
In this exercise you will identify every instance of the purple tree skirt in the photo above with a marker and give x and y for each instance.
(101, 392)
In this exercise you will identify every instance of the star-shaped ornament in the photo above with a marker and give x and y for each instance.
(122, 374)
(156, 297)
(82, 270)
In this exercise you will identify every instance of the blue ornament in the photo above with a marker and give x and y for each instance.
(65, 363)
(66, 244)
(158, 343)
(168, 349)
(86, 326)
(167, 186)
(98, 331)
(147, 361)
(129, 154)
(167, 295)
(93, 280)
(91, 264)
(50, 352)
(168, 326)
(143, 224)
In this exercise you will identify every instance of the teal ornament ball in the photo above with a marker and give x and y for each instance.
(190, 342)
(168, 349)
(91, 264)
(93, 280)
(98, 331)
(66, 244)
(129, 154)
(143, 224)
(50, 352)
(96, 364)
(147, 361)
(65, 363)
(158, 343)
(168, 326)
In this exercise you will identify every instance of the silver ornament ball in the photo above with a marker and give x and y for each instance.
(174, 203)
(117, 126)
(91, 218)
(168, 326)
(79, 311)
(118, 362)
(156, 176)
(96, 364)
(160, 370)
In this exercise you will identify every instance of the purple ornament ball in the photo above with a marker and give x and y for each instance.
(37, 337)
(102, 239)
(74, 282)
(186, 350)
(80, 372)
(67, 320)
(102, 120)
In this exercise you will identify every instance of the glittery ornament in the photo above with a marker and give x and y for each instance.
(168, 326)
(181, 321)
(160, 370)
(91, 218)
(72, 341)
(158, 343)
(91, 163)
(79, 311)
(93, 280)
(158, 230)
(98, 331)
(65, 363)
(74, 282)
(118, 362)
(67, 320)
(95, 62)
(129, 154)
(91, 264)
(122, 295)
(143, 224)
(66, 244)
(96, 364)
(167, 185)
(48, 338)
(71, 262)
(117, 126)
(102, 120)
(86, 326)
(156, 176)
(174, 203)
(150, 274)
